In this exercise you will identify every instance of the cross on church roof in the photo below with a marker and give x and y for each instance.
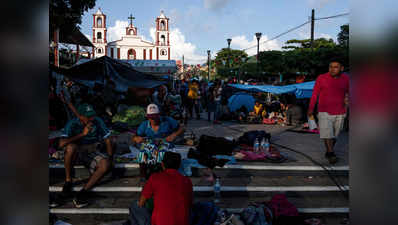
(131, 17)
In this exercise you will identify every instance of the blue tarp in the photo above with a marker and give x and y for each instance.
(302, 90)
(241, 99)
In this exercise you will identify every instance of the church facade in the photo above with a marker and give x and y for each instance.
(131, 46)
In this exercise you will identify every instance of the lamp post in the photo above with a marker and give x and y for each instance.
(208, 65)
(258, 36)
(229, 50)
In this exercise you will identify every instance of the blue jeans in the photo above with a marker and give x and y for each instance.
(139, 216)
(217, 114)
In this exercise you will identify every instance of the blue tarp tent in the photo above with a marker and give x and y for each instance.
(241, 99)
(302, 90)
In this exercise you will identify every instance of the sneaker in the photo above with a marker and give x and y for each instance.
(80, 200)
(331, 156)
(54, 201)
(67, 188)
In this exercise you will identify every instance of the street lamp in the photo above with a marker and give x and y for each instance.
(258, 36)
(229, 50)
(208, 65)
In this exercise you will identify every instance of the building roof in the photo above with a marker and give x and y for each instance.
(73, 36)
(162, 15)
(99, 12)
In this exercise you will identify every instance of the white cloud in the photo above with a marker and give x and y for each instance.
(180, 47)
(117, 31)
(215, 4)
(241, 42)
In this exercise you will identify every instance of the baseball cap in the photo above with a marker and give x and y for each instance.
(152, 110)
(86, 110)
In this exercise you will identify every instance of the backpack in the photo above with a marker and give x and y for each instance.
(282, 207)
(215, 145)
(249, 137)
(204, 213)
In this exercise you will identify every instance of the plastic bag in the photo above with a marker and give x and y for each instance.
(311, 123)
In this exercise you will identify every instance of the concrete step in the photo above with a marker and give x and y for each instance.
(315, 200)
(245, 183)
(118, 219)
(236, 170)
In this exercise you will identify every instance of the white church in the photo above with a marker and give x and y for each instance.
(131, 46)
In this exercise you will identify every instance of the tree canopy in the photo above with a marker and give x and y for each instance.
(67, 14)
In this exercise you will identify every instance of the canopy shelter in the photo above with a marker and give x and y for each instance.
(240, 99)
(302, 90)
(100, 69)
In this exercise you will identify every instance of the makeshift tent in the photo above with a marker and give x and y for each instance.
(302, 90)
(240, 99)
(97, 70)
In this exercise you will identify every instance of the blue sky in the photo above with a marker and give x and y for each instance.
(199, 25)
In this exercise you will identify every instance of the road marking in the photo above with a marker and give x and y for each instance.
(248, 167)
(211, 188)
(232, 210)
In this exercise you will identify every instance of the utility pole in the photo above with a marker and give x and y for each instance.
(208, 65)
(312, 29)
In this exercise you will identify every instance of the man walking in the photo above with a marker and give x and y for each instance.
(330, 91)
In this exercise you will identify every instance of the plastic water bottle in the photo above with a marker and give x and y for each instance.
(217, 191)
(262, 145)
(266, 145)
(256, 145)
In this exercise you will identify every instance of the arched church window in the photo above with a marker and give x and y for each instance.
(99, 35)
(162, 25)
(163, 52)
(163, 40)
(99, 22)
(131, 54)
(99, 50)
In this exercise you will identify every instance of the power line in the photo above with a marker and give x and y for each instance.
(279, 35)
(295, 28)
(330, 17)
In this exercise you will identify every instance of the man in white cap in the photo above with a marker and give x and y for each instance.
(156, 127)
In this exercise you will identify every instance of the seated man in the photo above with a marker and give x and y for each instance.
(156, 127)
(258, 112)
(81, 143)
(172, 194)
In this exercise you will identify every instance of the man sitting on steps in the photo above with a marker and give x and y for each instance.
(83, 139)
(172, 195)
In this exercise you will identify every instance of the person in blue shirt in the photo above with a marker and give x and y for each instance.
(80, 143)
(158, 127)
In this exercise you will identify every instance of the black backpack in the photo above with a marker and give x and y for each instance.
(215, 145)
(249, 137)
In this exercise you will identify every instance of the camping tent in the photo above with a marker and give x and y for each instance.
(302, 90)
(241, 99)
(97, 70)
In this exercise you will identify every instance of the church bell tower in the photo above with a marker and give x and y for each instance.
(99, 34)
(162, 37)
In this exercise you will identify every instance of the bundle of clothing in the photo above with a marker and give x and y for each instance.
(209, 147)
(152, 151)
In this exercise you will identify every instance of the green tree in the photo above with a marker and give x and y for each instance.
(306, 43)
(229, 61)
(67, 14)
(344, 35)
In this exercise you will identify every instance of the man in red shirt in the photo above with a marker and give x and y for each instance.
(172, 193)
(331, 92)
